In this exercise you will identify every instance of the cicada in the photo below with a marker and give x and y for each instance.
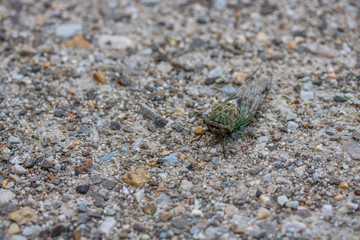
(239, 109)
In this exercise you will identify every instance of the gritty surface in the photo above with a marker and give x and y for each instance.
(101, 118)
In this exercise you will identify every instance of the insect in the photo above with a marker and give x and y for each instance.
(239, 109)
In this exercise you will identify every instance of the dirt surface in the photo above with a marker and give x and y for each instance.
(101, 118)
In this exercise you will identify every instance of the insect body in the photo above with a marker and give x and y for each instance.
(239, 109)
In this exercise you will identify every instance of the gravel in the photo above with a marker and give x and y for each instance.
(102, 109)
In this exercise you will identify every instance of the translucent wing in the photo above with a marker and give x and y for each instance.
(249, 97)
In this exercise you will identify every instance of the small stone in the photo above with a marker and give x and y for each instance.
(160, 122)
(215, 160)
(23, 215)
(227, 91)
(199, 131)
(136, 178)
(115, 126)
(292, 204)
(106, 157)
(240, 77)
(99, 201)
(210, 232)
(115, 42)
(150, 209)
(149, 2)
(108, 184)
(293, 226)
(82, 189)
(95, 179)
(78, 42)
(28, 231)
(85, 129)
(327, 210)
(255, 170)
(307, 86)
(179, 222)
(139, 196)
(68, 30)
(215, 72)
(47, 163)
(14, 140)
(263, 213)
(339, 197)
(281, 200)
(19, 170)
(166, 216)
(100, 77)
(178, 126)
(186, 185)
(344, 185)
(306, 95)
(220, 5)
(339, 99)
(83, 218)
(169, 159)
(139, 227)
(107, 225)
(147, 112)
(196, 213)
(333, 110)
(356, 136)
(334, 181)
(292, 126)
(291, 116)
(13, 229)
(209, 81)
(163, 199)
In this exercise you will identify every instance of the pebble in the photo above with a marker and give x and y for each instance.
(137, 178)
(356, 136)
(28, 231)
(13, 229)
(149, 2)
(196, 213)
(293, 226)
(263, 213)
(327, 210)
(179, 222)
(108, 184)
(23, 215)
(220, 5)
(291, 116)
(68, 30)
(139, 196)
(292, 126)
(106, 157)
(255, 170)
(166, 216)
(292, 204)
(210, 232)
(14, 140)
(169, 159)
(281, 200)
(147, 112)
(306, 95)
(186, 185)
(115, 126)
(227, 91)
(339, 99)
(82, 189)
(19, 170)
(307, 86)
(150, 209)
(18, 237)
(178, 126)
(139, 227)
(215, 73)
(115, 42)
(215, 160)
(107, 225)
(95, 179)
(163, 198)
(333, 110)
